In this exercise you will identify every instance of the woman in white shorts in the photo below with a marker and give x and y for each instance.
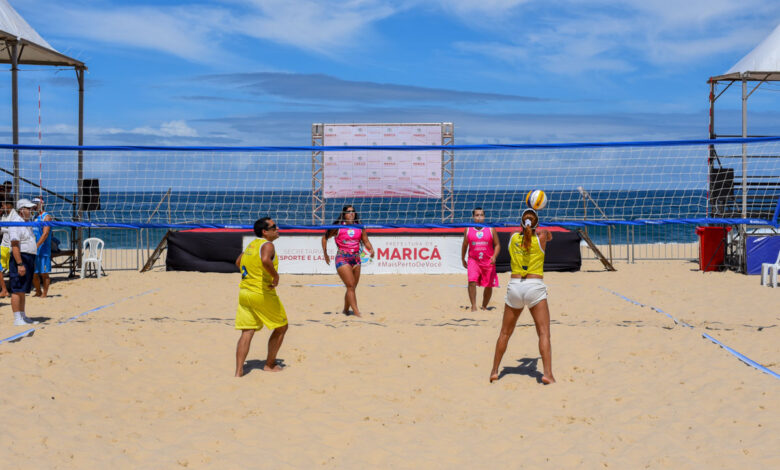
(526, 289)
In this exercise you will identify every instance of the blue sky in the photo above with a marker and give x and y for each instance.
(259, 72)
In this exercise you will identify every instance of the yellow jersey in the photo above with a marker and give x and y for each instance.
(254, 276)
(524, 261)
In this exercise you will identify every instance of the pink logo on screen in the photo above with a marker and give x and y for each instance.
(408, 254)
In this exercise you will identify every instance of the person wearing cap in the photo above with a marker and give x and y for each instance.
(6, 209)
(41, 279)
(526, 289)
(7, 190)
(22, 265)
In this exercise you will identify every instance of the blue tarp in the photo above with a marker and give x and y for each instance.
(761, 250)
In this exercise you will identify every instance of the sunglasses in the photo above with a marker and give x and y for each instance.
(273, 227)
(352, 211)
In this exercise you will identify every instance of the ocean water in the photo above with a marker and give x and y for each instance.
(295, 208)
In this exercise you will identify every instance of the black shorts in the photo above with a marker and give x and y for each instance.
(21, 283)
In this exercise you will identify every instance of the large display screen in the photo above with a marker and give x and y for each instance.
(382, 173)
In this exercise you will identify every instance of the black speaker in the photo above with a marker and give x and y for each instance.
(90, 195)
(721, 182)
(722, 202)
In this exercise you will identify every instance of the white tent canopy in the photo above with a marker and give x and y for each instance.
(33, 48)
(764, 58)
(762, 63)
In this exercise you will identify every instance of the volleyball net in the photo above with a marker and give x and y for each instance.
(729, 181)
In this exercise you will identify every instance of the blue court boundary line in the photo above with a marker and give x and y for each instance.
(563, 223)
(734, 352)
(31, 330)
(17, 336)
(640, 143)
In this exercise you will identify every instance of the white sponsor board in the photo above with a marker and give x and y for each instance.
(382, 173)
(392, 255)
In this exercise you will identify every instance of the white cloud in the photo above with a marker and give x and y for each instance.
(184, 32)
(569, 37)
(493, 8)
(166, 129)
(321, 26)
(200, 33)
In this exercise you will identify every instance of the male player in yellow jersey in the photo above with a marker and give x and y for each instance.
(258, 303)
(526, 288)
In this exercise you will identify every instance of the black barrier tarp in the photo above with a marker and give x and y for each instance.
(208, 252)
(562, 253)
(216, 252)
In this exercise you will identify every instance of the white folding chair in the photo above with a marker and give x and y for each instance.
(769, 272)
(92, 254)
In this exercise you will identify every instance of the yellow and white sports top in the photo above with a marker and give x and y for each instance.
(524, 261)
(253, 274)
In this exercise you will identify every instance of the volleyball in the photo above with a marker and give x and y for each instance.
(536, 199)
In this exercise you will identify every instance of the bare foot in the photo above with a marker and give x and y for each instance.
(493, 377)
(473, 308)
(274, 368)
(240, 373)
(483, 307)
(37, 294)
(357, 314)
(5, 294)
(548, 380)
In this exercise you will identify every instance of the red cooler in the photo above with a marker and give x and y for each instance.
(712, 247)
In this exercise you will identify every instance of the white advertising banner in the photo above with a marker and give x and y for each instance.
(393, 255)
(382, 173)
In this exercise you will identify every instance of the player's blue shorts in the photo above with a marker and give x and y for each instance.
(43, 264)
(21, 283)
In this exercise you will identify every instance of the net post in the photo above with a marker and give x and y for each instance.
(317, 175)
(14, 53)
(712, 153)
(743, 227)
(447, 173)
(80, 176)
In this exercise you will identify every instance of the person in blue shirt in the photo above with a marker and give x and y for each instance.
(41, 279)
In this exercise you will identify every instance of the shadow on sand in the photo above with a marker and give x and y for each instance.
(257, 364)
(527, 367)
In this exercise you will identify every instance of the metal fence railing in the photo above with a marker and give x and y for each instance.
(128, 249)
(645, 242)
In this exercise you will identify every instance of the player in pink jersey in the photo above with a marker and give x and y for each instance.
(348, 240)
(483, 246)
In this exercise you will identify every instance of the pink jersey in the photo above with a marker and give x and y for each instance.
(348, 240)
(480, 243)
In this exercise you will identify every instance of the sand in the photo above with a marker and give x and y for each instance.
(146, 381)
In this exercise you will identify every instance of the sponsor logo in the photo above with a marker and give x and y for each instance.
(408, 254)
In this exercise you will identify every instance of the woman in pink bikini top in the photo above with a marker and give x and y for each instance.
(348, 241)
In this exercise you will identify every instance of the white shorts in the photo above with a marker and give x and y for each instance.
(525, 292)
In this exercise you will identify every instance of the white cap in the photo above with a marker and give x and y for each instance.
(37, 200)
(24, 203)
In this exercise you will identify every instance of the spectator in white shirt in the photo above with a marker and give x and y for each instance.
(22, 264)
(6, 208)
